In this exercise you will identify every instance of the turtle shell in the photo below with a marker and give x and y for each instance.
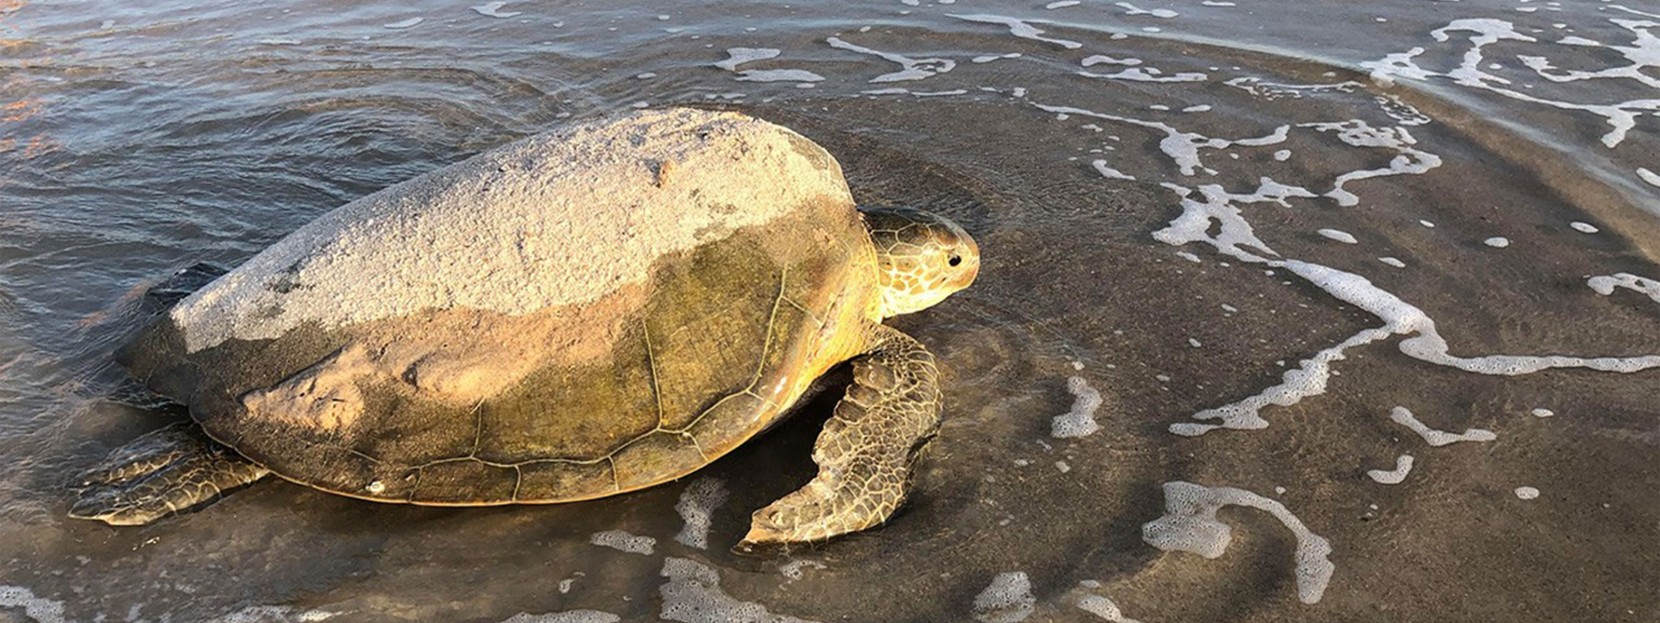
(575, 315)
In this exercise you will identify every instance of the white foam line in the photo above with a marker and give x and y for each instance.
(1403, 465)
(1437, 438)
(1130, 9)
(402, 24)
(1182, 147)
(1338, 235)
(1633, 11)
(1428, 345)
(1275, 90)
(1356, 133)
(740, 56)
(1649, 176)
(1189, 524)
(1080, 420)
(1621, 117)
(1215, 209)
(1098, 59)
(1109, 172)
(264, 614)
(1605, 284)
(493, 9)
(911, 68)
(778, 75)
(569, 616)
(1307, 379)
(1017, 27)
(1146, 74)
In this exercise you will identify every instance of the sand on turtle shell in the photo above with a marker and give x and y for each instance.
(502, 232)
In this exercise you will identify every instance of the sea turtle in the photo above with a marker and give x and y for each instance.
(579, 314)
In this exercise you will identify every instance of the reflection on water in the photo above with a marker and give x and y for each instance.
(1382, 275)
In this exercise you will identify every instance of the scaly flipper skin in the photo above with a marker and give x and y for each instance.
(866, 450)
(165, 471)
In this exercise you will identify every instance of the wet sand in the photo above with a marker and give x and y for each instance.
(185, 135)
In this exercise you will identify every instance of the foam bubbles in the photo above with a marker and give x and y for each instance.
(1526, 493)
(41, 610)
(1542, 412)
(1584, 228)
(570, 616)
(1080, 420)
(793, 569)
(624, 541)
(1437, 438)
(1403, 465)
(1008, 599)
(1102, 607)
(274, 614)
(693, 595)
(1189, 524)
(697, 508)
(1497, 242)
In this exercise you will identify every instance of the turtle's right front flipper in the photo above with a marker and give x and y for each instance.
(866, 452)
(165, 471)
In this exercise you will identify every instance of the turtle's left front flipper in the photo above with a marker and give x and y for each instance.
(165, 471)
(866, 450)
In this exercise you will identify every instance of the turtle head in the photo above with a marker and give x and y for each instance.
(922, 258)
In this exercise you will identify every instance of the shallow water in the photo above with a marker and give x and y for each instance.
(1246, 214)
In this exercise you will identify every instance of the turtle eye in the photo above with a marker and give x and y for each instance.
(955, 259)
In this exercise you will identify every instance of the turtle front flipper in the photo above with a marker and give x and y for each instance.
(866, 450)
(165, 471)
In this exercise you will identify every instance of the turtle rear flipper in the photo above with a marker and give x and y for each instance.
(865, 451)
(165, 471)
